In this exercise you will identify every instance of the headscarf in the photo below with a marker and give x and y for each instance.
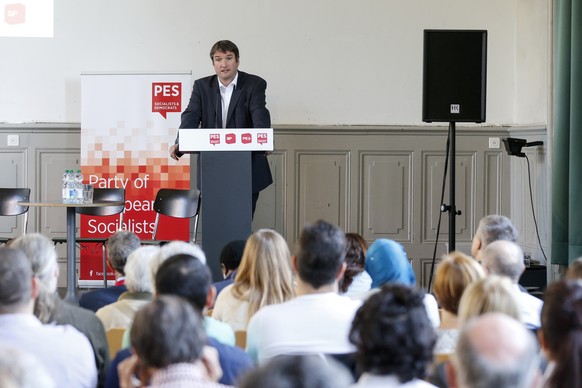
(386, 261)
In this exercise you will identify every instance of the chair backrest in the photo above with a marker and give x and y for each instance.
(177, 203)
(241, 338)
(114, 195)
(9, 199)
(114, 340)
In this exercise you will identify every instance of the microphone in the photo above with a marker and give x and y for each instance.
(216, 108)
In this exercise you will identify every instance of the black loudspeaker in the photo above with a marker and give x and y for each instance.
(454, 76)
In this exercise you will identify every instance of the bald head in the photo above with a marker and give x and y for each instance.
(495, 350)
(503, 258)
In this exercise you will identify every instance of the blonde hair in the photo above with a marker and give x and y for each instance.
(454, 273)
(265, 275)
(491, 294)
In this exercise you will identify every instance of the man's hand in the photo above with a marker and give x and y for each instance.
(173, 150)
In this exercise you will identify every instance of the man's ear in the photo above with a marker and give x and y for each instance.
(35, 287)
(294, 263)
(211, 296)
(341, 271)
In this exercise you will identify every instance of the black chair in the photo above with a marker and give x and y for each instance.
(100, 195)
(9, 207)
(177, 203)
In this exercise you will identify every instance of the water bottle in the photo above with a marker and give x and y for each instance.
(65, 194)
(70, 188)
(78, 179)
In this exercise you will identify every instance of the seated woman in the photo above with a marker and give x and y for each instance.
(264, 277)
(561, 334)
(490, 294)
(453, 274)
(355, 280)
(387, 262)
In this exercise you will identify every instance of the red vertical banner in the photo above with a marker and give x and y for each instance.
(129, 121)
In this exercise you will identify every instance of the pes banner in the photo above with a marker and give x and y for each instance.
(128, 123)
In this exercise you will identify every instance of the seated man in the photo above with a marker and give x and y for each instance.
(118, 246)
(492, 228)
(505, 258)
(318, 319)
(230, 258)
(168, 338)
(495, 350)
(395, 338)
(65, 353)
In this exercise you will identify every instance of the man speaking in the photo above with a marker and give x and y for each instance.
(230, 99)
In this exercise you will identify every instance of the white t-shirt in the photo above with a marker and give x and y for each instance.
(231, 310)
(530, 308)
(307, 324)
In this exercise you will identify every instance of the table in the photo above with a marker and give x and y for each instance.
(71, 295)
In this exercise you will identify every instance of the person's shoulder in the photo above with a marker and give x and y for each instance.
(250, 78)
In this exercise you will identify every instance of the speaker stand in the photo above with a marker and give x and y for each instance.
(451, 207)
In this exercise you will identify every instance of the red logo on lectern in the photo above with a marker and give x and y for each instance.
(230, 138)
(166, 97)
(246, 138)
(262, 138)
(214, 138)
(14, 13)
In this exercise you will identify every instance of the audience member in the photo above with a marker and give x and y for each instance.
(492, 228)
(298, 371)
(318, 319)
(139, 290)
(186, 276)
(505, 258)
(168, 339)
(497, 351)
(265, 277)
(19, 369)
(356, 280)
(561, 334)
(490, 294)
(394, 338)
(61, 349)
(118, 248)
(175, 248)
(453, 275)
(49, 308)
(230, 258)
(387, 262)
(575, 270)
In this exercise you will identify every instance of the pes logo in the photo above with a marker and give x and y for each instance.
(214, 138)
(262, 138)
(166, 97)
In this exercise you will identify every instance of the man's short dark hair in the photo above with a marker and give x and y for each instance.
(231, 254)
(297, 371)
(393, 334)
(119, 246)
(167, 331)
(15, 279)
(322, 250)
(224, 46)
(185, 276)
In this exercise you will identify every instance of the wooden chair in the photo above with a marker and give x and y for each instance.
(114, 340)
(241, 338)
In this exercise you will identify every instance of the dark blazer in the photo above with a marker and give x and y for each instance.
(247, 109)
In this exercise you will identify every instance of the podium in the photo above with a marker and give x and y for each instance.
(225, 181)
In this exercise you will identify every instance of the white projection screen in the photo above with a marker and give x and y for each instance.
(27, 18)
